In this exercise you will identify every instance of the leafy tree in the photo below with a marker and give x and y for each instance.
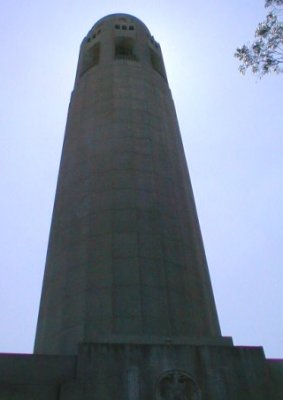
(265, 54)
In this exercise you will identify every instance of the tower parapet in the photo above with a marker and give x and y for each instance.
(120, 37)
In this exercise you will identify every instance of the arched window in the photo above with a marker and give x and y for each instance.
(124, 49)
(90, 58)
(157, 63)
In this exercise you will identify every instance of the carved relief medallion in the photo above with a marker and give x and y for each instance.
(177, 385)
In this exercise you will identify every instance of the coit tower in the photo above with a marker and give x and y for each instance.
(125, 261)
(127, 310)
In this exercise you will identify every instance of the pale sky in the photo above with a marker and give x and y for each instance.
(232, 132)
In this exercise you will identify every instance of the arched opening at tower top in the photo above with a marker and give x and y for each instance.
(125, 48)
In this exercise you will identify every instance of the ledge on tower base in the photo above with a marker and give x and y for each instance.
(160, 340)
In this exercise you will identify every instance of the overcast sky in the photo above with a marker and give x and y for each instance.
(232, 132)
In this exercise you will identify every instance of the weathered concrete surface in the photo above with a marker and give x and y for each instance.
(142, 372)
(276, 378)
(125, 255)
(34, 377)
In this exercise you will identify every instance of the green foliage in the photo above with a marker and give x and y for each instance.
(269, 3)
(265, 54)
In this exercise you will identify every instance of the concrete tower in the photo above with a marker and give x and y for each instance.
(127, 310)
(125, 258)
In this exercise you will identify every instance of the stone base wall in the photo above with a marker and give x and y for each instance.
(143, 372)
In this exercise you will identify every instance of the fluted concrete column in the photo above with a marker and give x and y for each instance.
(125, 257)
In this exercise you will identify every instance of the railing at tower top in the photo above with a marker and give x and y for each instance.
(131, 57)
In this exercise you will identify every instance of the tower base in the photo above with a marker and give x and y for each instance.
(103, 371)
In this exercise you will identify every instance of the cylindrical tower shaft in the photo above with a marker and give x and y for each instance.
(125, 256)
